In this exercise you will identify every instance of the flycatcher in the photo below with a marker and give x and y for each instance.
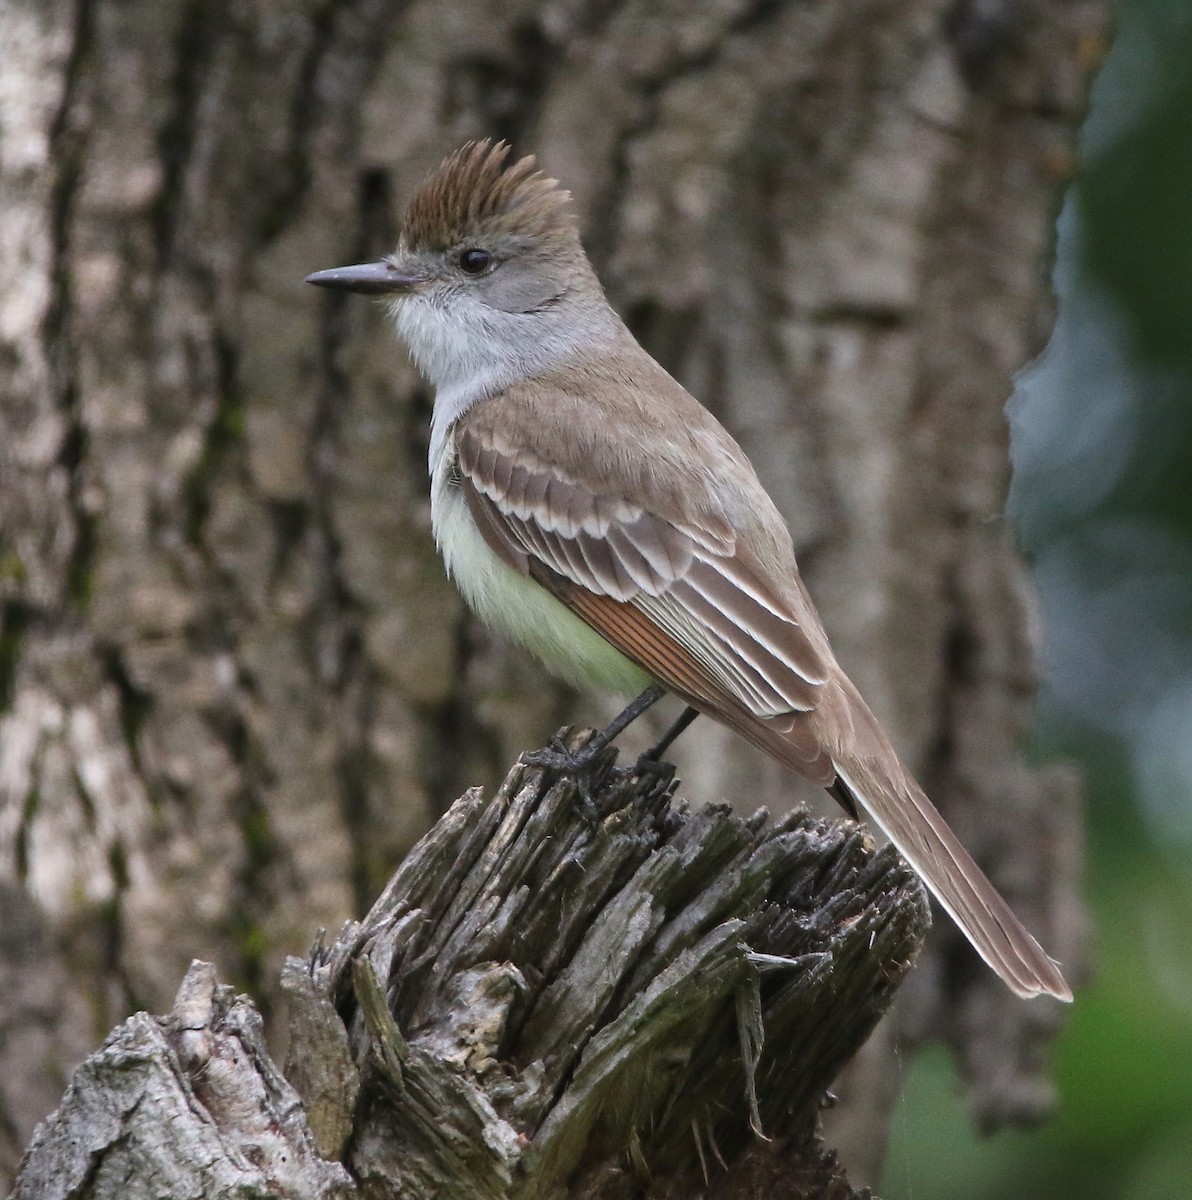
(591, 509)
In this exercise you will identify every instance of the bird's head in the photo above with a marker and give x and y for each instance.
(489, 276)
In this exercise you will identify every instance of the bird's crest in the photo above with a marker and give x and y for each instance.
(478, 190)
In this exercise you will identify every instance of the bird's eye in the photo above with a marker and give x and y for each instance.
(475, 262)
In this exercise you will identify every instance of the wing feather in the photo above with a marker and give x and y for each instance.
(738, 641)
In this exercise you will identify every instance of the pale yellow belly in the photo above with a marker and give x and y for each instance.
(515, 606)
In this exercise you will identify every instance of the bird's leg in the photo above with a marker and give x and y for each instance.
(561, 759)
(652, 758)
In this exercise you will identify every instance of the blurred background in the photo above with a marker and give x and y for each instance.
(235, 684)
(1102, 501)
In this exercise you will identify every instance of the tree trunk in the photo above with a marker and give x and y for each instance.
(602, 1000)
(234, 683)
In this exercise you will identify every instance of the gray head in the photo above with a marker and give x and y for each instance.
(489, 283)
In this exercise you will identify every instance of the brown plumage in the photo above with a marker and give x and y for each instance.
(574, 478)
(736, 644)
(478, 188)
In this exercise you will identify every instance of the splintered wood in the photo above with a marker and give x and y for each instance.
(621, 1003)
(577, 988)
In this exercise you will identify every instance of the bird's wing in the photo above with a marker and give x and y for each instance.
(679, 597)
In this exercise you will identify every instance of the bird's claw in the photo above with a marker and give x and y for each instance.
(585, 765)
(647, 764)
(593, 770)
(558, 757)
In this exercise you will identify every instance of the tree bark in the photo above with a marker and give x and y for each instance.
(606, 999)
(234, 684)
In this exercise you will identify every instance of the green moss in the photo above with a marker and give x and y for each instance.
(224, 433)
(14, 620)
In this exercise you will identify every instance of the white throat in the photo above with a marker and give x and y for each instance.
(452, 400)
(469, 351)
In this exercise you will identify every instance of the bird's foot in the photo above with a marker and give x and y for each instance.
(647, 764)
(588, 762)
(560, 757)
(588, 765)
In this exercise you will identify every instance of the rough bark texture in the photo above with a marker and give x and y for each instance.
(234, 684)
(617, 1001)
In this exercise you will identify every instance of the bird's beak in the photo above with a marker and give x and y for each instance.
(375, 278)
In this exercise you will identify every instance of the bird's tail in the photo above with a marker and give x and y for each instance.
(902, 811)
(869, 771)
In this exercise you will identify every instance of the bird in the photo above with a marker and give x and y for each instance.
(590, 509)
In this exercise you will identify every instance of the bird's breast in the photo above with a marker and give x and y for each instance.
(513, 604)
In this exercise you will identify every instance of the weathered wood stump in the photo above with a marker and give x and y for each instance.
(552, 997)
